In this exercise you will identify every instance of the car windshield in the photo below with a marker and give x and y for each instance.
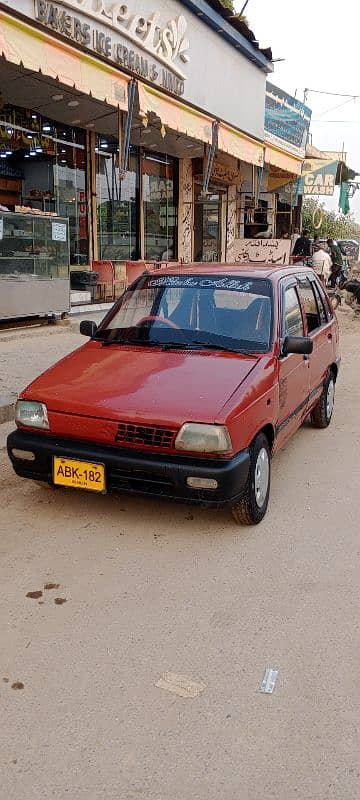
(196, 311)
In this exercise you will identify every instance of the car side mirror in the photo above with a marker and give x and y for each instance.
(88, 327)
(302, 345)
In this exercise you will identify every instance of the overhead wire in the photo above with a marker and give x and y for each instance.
(334, 108)
(333, 94)
(341, 121)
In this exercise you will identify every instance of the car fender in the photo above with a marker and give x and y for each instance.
(254, 405)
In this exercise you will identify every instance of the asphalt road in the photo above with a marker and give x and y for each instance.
(152, 588)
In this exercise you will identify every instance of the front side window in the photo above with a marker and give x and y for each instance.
(320, 304)
(292, 321)
(224, 312)
(313, 305)
(329, 313)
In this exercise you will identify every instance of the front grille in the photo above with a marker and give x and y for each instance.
(145, 436)
(138, 481)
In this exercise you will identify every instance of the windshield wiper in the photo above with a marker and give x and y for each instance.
(133, 342)
(222, 347)
(176, 345)
(195, 344)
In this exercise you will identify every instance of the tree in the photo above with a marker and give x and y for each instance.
(229, 4)
(333, 225)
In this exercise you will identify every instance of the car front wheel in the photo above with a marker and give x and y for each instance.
(252, 507)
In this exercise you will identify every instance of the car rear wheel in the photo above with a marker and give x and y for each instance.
(252, 507)
(322, 413)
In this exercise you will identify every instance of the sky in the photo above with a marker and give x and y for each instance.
(318, 40)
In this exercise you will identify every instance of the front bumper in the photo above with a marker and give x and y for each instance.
(135, 472)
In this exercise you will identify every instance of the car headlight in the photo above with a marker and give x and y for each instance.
(201, 438)
(32, 414)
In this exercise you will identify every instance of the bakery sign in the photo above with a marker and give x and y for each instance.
(149, 47)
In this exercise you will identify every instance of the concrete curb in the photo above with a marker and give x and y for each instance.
(7, 407)
(92, 309)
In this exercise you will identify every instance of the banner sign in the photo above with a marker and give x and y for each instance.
(287, 120)
(318, 177)
(261, 251)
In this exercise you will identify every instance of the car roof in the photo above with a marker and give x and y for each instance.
(263, 270)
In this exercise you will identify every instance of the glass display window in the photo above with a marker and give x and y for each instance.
(117, 203)
(43, 166)
(160, 197)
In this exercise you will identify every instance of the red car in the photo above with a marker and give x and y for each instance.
(193, 380)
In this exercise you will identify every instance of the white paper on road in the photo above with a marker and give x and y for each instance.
(269, 680)
(180, 685)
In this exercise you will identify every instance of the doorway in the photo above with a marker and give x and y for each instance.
(209, 225)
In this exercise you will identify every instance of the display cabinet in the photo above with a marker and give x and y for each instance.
(34, 265)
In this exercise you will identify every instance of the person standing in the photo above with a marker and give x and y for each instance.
(321, 262)
(337, 262)
(294, 237)
(302, 246)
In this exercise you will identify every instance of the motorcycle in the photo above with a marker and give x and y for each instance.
(352, 287)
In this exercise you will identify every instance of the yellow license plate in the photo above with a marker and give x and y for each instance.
(79, 474)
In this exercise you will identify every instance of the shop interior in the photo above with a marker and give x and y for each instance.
(45, 160)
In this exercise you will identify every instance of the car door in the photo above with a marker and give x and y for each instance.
(320, 329)
(294, 368)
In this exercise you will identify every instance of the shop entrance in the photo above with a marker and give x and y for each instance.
(209, 225)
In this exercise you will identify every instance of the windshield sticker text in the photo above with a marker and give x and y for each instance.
(194, 283)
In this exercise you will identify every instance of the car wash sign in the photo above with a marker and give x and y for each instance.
(318, 177)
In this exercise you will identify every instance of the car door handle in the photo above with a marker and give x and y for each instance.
(330, 336)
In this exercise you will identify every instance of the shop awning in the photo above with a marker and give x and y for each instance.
(240, 146)
(36, 51)
(174, 114)
(283, 161)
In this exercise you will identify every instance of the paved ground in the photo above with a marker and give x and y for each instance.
(26, 352)
(151, 588)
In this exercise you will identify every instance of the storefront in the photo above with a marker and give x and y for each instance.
(117, 118)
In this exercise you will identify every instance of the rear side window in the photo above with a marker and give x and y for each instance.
(292, 321)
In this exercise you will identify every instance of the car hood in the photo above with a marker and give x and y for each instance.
(126, 383)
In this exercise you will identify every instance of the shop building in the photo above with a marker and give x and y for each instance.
(142, 125)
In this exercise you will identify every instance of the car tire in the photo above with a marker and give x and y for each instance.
(252, 507)
(322, 413)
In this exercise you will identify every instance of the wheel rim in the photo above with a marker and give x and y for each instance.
(262, 471)
(330, 394)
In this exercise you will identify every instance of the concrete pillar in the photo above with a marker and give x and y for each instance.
(185, 217)
(231, 223)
